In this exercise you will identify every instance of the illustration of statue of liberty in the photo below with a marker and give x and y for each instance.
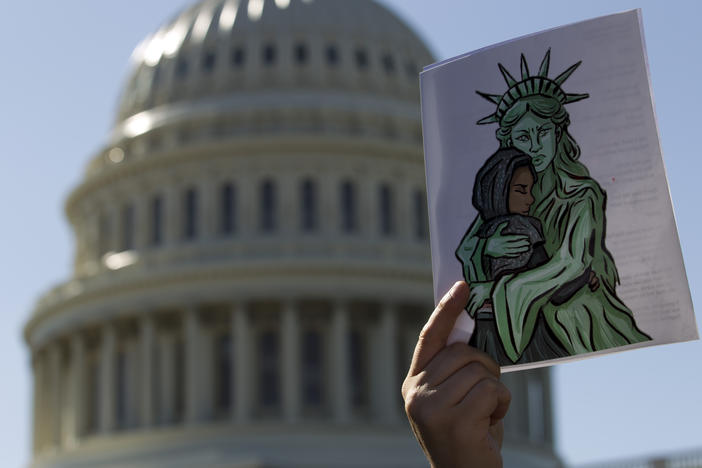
(542, 280)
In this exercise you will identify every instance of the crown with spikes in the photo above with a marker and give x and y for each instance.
(539, 84)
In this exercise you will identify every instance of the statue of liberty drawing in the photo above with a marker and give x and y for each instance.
(542, 280)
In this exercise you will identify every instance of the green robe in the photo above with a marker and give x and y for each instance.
(589, 321)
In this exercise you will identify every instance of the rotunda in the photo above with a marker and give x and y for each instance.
(251, 258)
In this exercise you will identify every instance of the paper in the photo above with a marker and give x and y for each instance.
(547, 193)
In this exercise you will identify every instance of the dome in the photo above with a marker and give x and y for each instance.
(219, 47)
(251, 264)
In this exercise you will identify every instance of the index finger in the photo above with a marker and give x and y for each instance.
(433, 336)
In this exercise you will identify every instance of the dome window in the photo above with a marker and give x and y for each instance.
(301, 54)
(190, 214)
(223, 374)
(332, 55)
(385, 210)
(267, 220)
(181, 70)
(269, 54)
(269, 370)
(209, 60)
(238, 57)
(227, 207)
(312, 369)
(388, 64)
(349, 218)
(361, 59)
(309, 219)
(411, 70)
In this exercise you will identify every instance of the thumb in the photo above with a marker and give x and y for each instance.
(433, 336)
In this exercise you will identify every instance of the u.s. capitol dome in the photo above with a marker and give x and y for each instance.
(251, 259)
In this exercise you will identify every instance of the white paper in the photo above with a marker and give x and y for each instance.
(616, 130)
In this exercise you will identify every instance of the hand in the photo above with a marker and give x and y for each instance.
(507, 245)
(453, 397)
(593, 282)
(479, 293)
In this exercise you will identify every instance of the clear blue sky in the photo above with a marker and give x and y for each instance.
(63, 68)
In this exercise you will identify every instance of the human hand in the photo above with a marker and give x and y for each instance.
(453, 397)
(506, 245)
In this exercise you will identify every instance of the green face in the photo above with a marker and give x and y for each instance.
(536, 137)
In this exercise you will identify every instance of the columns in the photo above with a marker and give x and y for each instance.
(146, 361)
(387, 399)
(107, 379)
(166, 378)
(241, 357)
(77, 398)
(194, 387)
(55, 387)
(340, 364)
(291, 362)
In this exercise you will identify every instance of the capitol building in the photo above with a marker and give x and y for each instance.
(252, 265)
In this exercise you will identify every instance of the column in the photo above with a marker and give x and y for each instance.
(146, 361)
(78, 399)
(291, 362)
(388, 398)
(166, 378)
(340, 364)
(241, 360)
(36, 403)
(193, 366)
(55, 394)
(107, 379)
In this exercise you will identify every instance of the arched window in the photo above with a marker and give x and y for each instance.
(209, 61)
(268, 54)
(227, 209)
(190, 214)
(301, 53)
(361, 59)
(156, 234)
(312, 369)
(127, 227)
(308, 212)
(388, 64)
(269, 370)
(238, 57)
(419, 203)
(121, 388)
(268, 206)
(385, 210)
(349, 222)
(332, 55)
(181, 70)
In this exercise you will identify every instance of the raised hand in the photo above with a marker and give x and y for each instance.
(506, 245)
(454, 399)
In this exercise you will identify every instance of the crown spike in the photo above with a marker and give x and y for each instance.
(492, 118)
(543, 69)
(524, 68)
(575, 97)
(566, 74)
(508, 78)
(493, 98)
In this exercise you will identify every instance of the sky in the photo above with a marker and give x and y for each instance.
(65, 64)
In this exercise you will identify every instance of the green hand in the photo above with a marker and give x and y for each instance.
(506, 245)
(479, 293)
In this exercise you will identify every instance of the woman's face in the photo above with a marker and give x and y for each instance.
(537, 137)
(520, 198)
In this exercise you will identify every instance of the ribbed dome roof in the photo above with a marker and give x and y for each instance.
(221, 47)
